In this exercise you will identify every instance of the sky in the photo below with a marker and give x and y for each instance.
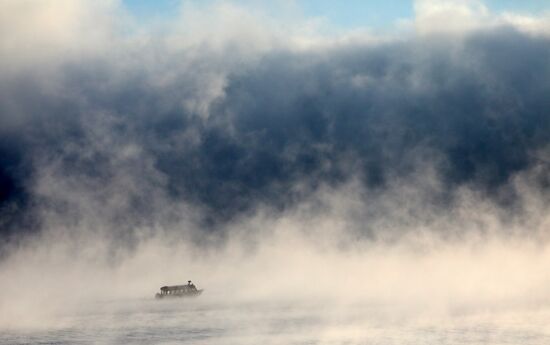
(345, 15)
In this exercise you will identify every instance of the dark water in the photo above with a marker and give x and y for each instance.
(202, 322)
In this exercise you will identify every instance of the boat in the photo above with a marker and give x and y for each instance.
(188, 290)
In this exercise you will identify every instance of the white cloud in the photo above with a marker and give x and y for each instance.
(462, 16)
(528, 24)
(449, 16)
(51, 30)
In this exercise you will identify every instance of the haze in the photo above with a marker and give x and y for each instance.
(323, 184)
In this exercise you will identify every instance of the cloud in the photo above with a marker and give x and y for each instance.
(449, 16)
(460, 17)
(221, 121)
(539, 25)
(44, 32)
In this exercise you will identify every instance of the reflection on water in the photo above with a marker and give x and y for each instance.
(201, 322)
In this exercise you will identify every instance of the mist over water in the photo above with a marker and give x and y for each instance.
(295, 279)
(323, 188)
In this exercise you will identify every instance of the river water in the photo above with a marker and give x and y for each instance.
(201, 321)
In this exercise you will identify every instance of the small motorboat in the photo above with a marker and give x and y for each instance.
(189, 290)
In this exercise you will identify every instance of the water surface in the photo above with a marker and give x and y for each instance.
(201, 321)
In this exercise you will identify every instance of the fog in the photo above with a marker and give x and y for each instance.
(331, 186)
(314, 256)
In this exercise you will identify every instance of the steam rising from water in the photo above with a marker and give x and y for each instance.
(406, 175)
(306, 257)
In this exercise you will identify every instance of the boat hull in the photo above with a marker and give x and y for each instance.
(179, 295)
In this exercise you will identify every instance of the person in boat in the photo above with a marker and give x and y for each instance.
(191, 286)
